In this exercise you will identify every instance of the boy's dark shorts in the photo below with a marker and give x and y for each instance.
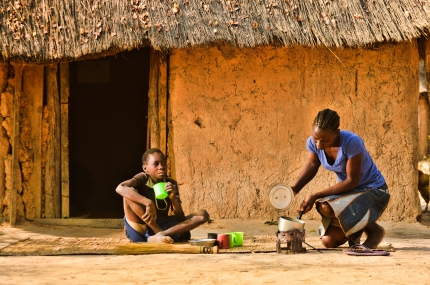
(164, 222)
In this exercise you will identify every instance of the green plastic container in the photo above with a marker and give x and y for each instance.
(160, 193)
(236, 239)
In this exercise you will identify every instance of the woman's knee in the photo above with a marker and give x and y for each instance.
(331, 242)
(328, 242)
(334, 237)
(325, 209)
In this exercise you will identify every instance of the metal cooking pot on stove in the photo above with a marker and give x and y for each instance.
(281, 197)
(288, 224)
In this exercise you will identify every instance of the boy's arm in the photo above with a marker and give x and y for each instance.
(126, 190)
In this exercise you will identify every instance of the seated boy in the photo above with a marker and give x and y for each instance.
(147, 218)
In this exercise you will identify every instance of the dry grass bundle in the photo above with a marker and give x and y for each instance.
(39, 31)
(151, 248)
(74, 246)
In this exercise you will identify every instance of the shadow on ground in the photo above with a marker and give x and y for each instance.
(424, 219)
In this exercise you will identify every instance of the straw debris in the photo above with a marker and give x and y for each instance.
(42, 31)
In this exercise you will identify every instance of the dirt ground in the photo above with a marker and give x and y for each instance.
(409, 264)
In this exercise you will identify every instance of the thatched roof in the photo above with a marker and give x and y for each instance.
(50, 30)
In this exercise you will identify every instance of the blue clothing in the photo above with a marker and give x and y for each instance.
(350, 145)
(364, 204)
(132, 234)
(165, 223)
(144, 188)
(357, 208)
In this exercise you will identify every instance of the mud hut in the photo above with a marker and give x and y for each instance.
(228, 89)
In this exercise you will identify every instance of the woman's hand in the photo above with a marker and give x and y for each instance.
(171, 190)
(307, 204)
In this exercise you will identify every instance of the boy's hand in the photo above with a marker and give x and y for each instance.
(150, 215)
(171, 190)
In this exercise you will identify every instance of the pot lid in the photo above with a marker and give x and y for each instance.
(281, 196)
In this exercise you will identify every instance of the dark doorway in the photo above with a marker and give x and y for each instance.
(107, 130)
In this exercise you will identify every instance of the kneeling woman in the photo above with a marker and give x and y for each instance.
(354, 204)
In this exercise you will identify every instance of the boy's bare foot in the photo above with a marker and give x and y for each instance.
(160, 238)
(375, 234)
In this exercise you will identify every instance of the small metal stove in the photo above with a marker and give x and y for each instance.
(293, 239)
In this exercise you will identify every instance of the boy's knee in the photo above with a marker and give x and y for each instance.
(204, 215)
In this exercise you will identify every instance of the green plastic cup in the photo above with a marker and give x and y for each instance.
(236, 239)
(160, 193)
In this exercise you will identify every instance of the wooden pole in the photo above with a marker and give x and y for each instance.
(424, 50)
(154, 127)
(15, 144)
(4, 72)
(157, 101)
(53, 165)
(423, 104)
(162, 100)
(64, 101)
(32, 86)
(423, 101)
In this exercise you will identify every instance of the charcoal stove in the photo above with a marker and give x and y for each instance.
(291, 233)
(290, 241)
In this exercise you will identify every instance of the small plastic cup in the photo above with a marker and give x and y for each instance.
(160, 193)
(223, 241)
(213, 235)
(236, 239)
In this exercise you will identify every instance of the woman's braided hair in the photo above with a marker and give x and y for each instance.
(327, 120)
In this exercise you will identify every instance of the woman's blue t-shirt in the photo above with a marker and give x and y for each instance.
(350, 145)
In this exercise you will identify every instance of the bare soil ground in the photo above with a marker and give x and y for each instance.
(409, 264)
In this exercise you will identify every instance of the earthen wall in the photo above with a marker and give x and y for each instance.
(239, 120)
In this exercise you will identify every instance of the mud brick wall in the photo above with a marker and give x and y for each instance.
(239, 120)
(29, 162)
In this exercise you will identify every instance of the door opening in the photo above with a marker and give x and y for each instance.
(107, 130)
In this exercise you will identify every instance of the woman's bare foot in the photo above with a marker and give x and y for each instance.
(160, 238)
(375, 234)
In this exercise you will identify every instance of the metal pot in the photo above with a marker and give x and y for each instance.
(203, 242)
(287, 224)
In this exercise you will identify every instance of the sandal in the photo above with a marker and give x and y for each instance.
(360, 249)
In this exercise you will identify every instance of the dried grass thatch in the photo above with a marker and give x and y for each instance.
(42, 31)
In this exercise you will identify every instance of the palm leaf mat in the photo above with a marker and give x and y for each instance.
(256, 244)
(107, 246)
